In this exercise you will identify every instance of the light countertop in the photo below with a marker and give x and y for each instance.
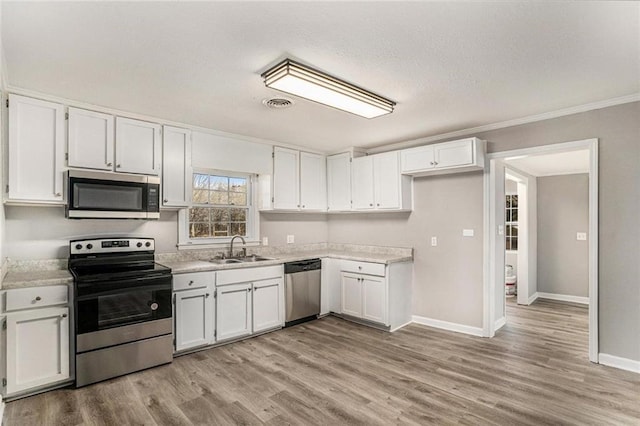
(36, 279)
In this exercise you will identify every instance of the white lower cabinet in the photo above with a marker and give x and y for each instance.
(37, 344)
(376, 292)
(267, 305)
(233, 311)
(194, 314)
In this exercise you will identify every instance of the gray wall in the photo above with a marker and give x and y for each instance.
(447, 278)
(563, 262)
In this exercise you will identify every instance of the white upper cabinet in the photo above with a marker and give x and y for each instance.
(339, 182)
(448, 157)
(286, 189)
(137, 146)
(36, 150)
(313, 182)
(299, 180)
(91, 139)
(176, 167)
(378, 185)
(362, 183)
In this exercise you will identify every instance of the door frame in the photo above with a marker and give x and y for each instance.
(490, 285)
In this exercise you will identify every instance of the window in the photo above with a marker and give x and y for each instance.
(511, 222)
(221, 207)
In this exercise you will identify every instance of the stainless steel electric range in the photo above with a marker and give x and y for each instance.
(123, 312)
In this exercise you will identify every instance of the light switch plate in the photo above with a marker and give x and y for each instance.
(468, 232)
(581, 236)
(290, 239)
(500, 229)
(434, 241)
(265, 241)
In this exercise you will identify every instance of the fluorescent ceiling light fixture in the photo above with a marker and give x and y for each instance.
(297, 79)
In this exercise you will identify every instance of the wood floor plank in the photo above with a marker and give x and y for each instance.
(534, 372)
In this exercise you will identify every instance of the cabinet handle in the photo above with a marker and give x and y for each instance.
(248, 289)
(303, 206)
(371, 205)
(360, 268)
(109, 164)
(118, 166)
(435, 163)
(255, 289)
(378, 204)
(165, 201)
(58, 194)
(298, 205)
(431, 162)
(206, 295)
(63, 315)
(190, 282)
(38, 298)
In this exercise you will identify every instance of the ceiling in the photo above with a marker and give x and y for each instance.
(448, 65)
(562, 163)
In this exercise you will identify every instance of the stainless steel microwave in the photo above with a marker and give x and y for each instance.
(103, 195)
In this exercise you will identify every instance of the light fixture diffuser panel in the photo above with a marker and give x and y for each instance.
(307, 83)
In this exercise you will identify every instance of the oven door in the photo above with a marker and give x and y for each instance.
(109, 304)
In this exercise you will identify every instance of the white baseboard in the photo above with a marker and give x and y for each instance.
(564, 298)
(532, 298)
(500, 323)
(621, 363)
(451, 326)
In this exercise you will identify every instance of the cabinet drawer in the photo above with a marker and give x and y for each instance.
(192, 280)
(36, 297)
(363, 267)
(244, 275)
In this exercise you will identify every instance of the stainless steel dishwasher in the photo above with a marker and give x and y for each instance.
(302, 291)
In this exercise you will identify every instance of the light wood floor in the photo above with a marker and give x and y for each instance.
(535, 371)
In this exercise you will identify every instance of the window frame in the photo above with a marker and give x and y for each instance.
(253, 216)
(510, 224)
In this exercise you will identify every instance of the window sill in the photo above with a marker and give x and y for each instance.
(216, 245)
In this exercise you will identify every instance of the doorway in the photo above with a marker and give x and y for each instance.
(503, 168)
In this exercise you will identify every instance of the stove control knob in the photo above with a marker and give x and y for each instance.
(89, 246)
(147, 244)
(78, 246)
(139, 245)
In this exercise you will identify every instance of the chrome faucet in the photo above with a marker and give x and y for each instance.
(244, 244)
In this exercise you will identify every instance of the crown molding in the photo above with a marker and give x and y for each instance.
(635, 97)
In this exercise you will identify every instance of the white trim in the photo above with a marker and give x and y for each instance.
(618, 362)
(634, 97)
(532, 298)
(490, 287)
(487, 272)
(450, 326)
(500, 323)
(1, 411)
(400, 326)
(564, 298)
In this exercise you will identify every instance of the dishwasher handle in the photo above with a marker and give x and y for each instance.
(302, 266)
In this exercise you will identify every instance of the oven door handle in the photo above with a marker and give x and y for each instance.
(132, 289)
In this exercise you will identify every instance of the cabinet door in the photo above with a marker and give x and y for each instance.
(37, 348)
(459, 153)
(176, 167)
(386, 170)
(267, 304)
(351, 295)
(36, 150)
(339, 182)
(313, 182)
(137, 146)
(91, 142)
(233, 311)
(374, 299)
(193, 310)
(286, 178)
(362, 183)
(417, 159)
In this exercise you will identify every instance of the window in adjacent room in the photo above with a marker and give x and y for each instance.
(511, 222)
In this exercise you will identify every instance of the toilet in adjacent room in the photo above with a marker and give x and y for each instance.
(510, 279)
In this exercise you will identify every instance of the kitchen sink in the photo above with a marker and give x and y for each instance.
(234, 260)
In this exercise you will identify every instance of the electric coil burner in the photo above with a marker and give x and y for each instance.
(123, 312)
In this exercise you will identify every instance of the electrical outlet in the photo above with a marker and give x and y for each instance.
(500, 229)
(265, 241)
(434, 241)
(468, 233)
(290, 239)
(581, 236)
